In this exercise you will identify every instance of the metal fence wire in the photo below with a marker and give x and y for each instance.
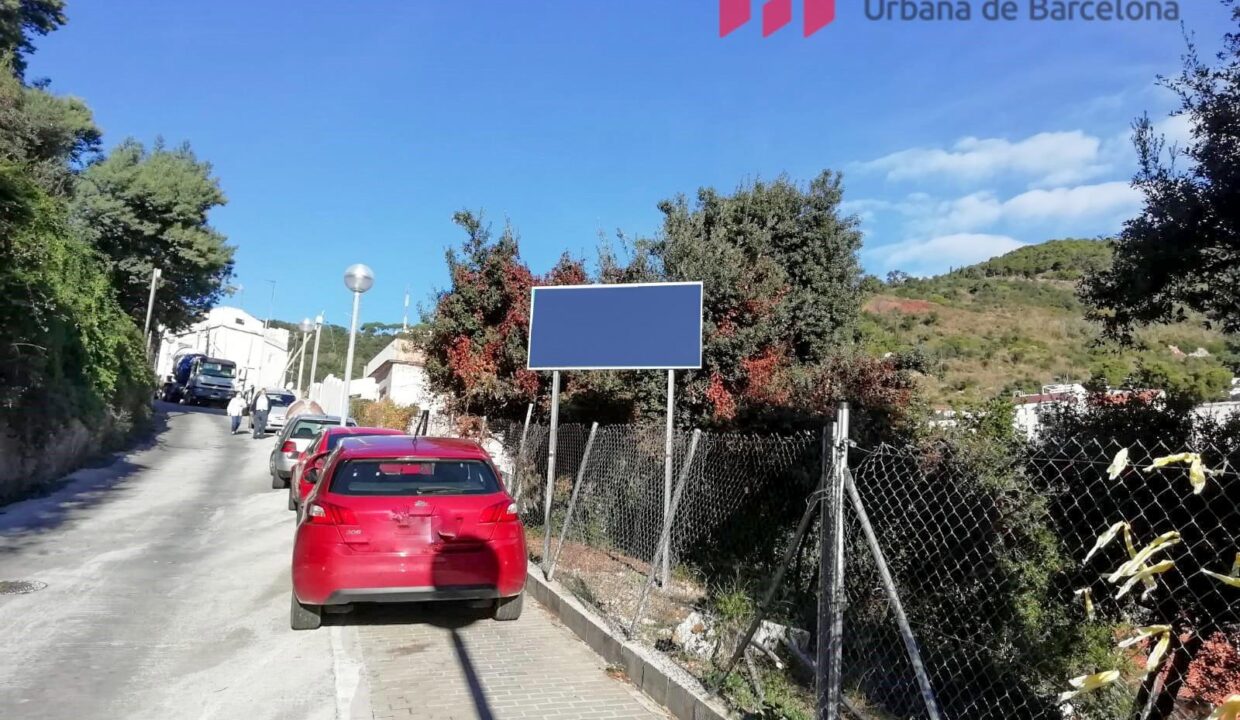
(992, 561)
(990, 566)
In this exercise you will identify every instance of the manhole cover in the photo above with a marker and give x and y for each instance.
(20, 587)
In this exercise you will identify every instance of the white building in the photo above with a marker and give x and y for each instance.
(399, 372)
(232, 334)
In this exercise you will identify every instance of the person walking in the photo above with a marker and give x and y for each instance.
(235, 407)
(261, 406)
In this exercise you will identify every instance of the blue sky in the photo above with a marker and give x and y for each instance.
(351, 131)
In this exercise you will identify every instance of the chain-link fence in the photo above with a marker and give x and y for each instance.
(964, 561)
(988, 555)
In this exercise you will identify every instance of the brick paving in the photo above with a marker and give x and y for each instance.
(455, 664)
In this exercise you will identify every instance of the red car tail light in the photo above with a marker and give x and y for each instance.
(289, 447)
(500, 512)
(321, 513)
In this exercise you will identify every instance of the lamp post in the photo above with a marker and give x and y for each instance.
(314, 363)
(359, 279)
(306, 327)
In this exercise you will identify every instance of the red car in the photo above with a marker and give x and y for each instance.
(407, 519)
(316, 453)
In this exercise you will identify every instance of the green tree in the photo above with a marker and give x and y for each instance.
(781, 280)
(46, 134)
(19, 20)
(148, 209)
(476, 334)
(1183, 252)
(70, 355)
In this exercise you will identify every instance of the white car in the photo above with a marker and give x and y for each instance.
(278, 402)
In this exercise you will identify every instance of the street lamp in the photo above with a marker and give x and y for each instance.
(306, 327)
(314, 364)
(358, 278)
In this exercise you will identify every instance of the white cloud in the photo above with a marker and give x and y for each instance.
(1104, 200)
(1053, 208)
(937, 254)
(1050, 158)
(971, 212)
(1177, 129)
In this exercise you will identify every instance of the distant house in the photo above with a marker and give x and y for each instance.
(399, 373)
(1030, 408)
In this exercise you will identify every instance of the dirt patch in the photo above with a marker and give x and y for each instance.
(885, 305)
(612, 584)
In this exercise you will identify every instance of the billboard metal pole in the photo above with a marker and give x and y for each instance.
(551, 443)
(516, 484)
(664, 572)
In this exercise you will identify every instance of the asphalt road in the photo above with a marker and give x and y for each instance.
(167, 591)
(166, 595)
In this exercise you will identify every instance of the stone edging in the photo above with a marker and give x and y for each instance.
(684, 698)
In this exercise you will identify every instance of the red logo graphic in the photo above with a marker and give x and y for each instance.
(816, 14)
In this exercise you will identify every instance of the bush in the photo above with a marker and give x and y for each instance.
(385, 414)
(72, 360)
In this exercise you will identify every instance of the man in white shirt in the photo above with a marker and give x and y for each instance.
(261, 406)
(235, 407)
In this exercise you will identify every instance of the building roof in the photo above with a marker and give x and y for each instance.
(400, 351)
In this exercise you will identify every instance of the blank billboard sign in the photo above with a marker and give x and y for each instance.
(643, 326)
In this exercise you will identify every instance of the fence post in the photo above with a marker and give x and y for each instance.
(516, 471)
(668, 439)
(572, 501)
(829, 666)
(897, 608)
(665, 538)
(555, 426)
(811, 509)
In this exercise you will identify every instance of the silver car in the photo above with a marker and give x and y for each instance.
(293, 440)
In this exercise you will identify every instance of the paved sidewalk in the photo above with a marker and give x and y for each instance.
(460, 665)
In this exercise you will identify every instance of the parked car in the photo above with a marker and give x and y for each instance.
(292, 440)
(407, 519)
(278, 402)
(316, 453)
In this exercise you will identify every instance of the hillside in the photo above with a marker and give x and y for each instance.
(1013, 324)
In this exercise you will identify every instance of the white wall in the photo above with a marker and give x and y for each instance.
(327, 392)
(1219, 411)
(408, 385)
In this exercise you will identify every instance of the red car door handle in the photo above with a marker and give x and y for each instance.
(447, 534)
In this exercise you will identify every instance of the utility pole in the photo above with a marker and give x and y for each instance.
(314, 364)
(156, 274)
(306, 327)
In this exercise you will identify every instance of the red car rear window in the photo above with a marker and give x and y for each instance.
(414, 477)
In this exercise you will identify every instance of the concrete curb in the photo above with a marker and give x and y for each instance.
(684, 698)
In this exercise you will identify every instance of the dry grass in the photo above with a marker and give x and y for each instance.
(612, 583)
(983, 350)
